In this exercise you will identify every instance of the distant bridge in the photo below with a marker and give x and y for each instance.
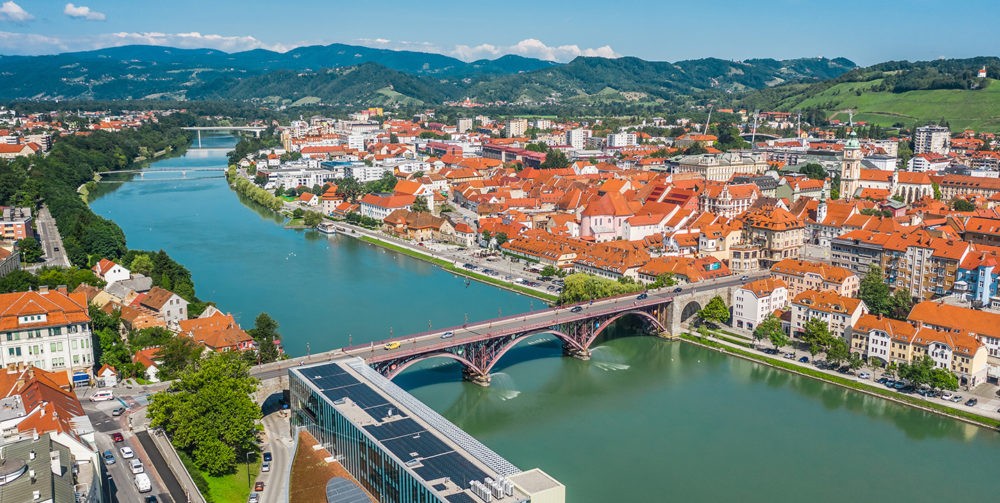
(480, 346)
(142, 174)
(256, 130)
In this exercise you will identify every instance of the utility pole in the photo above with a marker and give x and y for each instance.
(708, 120)
(753, 134)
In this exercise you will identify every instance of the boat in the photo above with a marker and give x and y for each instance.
(326, 228)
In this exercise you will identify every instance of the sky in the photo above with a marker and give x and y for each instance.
(864, 31)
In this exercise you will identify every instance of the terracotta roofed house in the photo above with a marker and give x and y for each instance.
(218, 332)
(166, 304)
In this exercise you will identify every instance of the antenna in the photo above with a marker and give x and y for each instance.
(798, 126)
(708, 120)
(753, 134)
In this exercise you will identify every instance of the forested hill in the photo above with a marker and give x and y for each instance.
(353, 75)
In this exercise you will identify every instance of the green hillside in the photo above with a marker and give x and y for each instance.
(977, 109)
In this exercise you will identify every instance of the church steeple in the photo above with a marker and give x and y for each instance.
(850, 170)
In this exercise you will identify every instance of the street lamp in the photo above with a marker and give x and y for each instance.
(249, 485)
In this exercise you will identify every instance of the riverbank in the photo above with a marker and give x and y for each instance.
(730, 347)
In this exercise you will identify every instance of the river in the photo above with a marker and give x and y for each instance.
(643, 420)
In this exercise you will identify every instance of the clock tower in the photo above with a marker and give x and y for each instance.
(850, 169)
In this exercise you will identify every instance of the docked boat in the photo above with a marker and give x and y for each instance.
(326, 228)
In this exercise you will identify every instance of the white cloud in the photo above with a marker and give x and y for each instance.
(29, 43)
(32, 44)
(83, 12)
(10, 11)
(531, 48)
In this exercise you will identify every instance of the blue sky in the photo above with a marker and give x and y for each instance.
(864, 31)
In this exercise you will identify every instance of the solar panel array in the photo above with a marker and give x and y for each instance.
(342, 490)
(407, 439)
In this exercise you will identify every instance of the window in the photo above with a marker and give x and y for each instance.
(14, 351)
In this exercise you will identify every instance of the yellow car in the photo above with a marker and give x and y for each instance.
(391, 345)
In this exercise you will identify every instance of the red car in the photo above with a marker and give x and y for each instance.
(117, 437)
(259, 486)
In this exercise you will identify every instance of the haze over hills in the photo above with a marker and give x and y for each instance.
(344, 74)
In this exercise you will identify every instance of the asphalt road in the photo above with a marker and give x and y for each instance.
(166, 476)
(279, 443)
(52, 245)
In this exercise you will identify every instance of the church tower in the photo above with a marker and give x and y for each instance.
(850, 169)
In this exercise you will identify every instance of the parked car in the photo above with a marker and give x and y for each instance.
(790, 356)
(118, 411)
(804, 359)
(576, 309)
(267, 457)
(889, 383)
(136, 466)
(678, 290)
(258, 486)
(864, 375)
(744, 278)
(448, 335)
(127, 452)
(882, 380)
(254, 498)
(109, 457)
(946, 395)
(117, 437)
(102, 396)
(265, 466)
(956, 398)
(971, 402)
(142, 483)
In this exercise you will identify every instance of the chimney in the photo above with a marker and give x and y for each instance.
(43, 289)
(63, 289)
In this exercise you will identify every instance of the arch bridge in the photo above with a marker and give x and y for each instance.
(479, 347)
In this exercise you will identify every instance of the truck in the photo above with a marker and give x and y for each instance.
(142, 483)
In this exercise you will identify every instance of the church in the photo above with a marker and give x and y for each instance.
(859, 183)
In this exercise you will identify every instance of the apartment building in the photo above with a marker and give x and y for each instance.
(779, 233)
(983, 325)
(931, 139)
(755, 300)
(894, 341)
(47, 328)
(802, 275)
(840, 313)
(721, 167)
(15, 223)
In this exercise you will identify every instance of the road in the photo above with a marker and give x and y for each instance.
(541, 319)
(121, 480)
(277, 441)
(52, 245)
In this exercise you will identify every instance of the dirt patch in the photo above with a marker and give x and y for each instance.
(310, 472)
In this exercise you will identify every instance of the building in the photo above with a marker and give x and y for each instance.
(931, 139)
(110, 272)
(48, 329)
(167, 305)
(755, 300)
(720, 167)
(515, 128)
(15, 223)
(218, 332)
(850, 168)
(894, 341)
(802, 275)
(398, 448)
(10, 261)
(779, 233)
(727, 200)
(983, 325)
(379, 206)
(464, 125)
(953, 186)
(621, 140)
(577, 138)
(840, 313)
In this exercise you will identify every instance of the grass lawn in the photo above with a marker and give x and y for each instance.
(232, 487)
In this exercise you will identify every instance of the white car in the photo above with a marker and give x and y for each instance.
(136, 466)
(864, 375)
(946, 396)
(127, 452)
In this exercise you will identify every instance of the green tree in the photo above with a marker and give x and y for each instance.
(298, 213)
(918, 372)
(549, 271)
(555, 159)
(715, 312)
(874, 292)
(837, 351)
(855, 361)
(500, 238)
(177, 355)
(814, 171)
(816, 335)
(260, 179)
(937, 190)
(962, 205)
(31, 250)
(420, 204)
(664, 280)
(265, 335)
(900, 304)
(18, 281)
(141, 264)
(769, 328)
(580, 287)
(312, 218)
(210, 412)
(943, 379)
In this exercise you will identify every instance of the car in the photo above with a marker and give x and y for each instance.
(889, 383)
(268, 457)
(391, 345)
(102, 396)
(118, 411)
(127, 452)
(790, 356)
(899, 385)
(136, 466)
(956, 398)
(642, 296)
(109, 457)
(864, 375)
(448, 335)
(882, 380)
(844, 369)
(117, 437)
(55, 248)
(265, 466)
(946, 396)
(804, 359)
(771, 351)
(254, 498)
(258, 486)
(678, 290)
(576, 309)
(744, 278)
(420, 244)
(151, 499)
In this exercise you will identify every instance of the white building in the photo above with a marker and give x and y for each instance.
(755, 300)
(932, 139)
(516, 127)
(577, 138)
(464, 125)
(840, 313)
(48, 328)
(619, 140)
(111, 272)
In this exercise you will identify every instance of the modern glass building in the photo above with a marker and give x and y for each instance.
(398, 448)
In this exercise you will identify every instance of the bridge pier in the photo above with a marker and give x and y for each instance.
(475, 376)
(199, 138)
(575, 352)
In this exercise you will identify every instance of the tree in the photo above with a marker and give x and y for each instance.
(837, 351)
(393, 138)
(260, 179)
(580, 287)
(918, 372)
(555, 159)
(855, 361)
(816, 334)
(487, 237)
(874, 292)
(141, 264)
(814, 171)
(943, 379)
(265, 334)
(298, 213)
(937, 190)
(900, 304)
(549, 271)
(420, 205)
(312, 218)
(31, 250)
(715, 312)
(178, 354)
(664, 280)
(500, 238)
(767, 330)
(963, 205)
(210, 412)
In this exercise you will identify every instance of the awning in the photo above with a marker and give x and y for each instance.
(81, 377)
